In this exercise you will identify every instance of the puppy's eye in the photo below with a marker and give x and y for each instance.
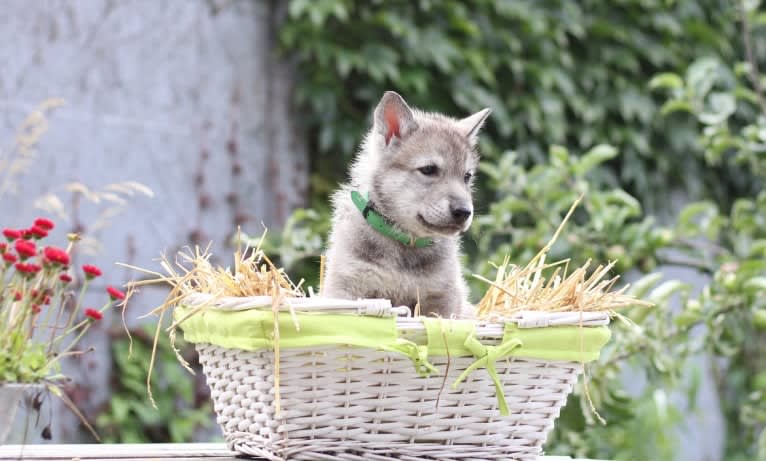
(467, 177)
(429, 170)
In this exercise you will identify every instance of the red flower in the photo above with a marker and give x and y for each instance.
(3, 247)
(17, 296)
(11, 234)
(38, 232)
(114, 293)
(25, 248)
(94, 314)
(65, 278)
(28, 269)
(36, 308)
(41, 297)
(91, 272)
(56, 256)
(44, 223)
(10, 258)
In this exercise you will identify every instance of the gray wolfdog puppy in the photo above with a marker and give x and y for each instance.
(396, 224)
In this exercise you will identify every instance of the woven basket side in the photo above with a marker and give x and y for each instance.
(338, 401)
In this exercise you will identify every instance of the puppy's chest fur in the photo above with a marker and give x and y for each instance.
(412, 262)
(365, 264)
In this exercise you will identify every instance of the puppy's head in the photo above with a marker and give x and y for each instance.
(424, 168)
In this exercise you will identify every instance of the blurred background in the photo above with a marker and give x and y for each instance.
(149, 125)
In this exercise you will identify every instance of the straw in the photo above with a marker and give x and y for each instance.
(526, 288)
(192, 273)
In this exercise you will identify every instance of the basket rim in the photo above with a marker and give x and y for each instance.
(378, 307)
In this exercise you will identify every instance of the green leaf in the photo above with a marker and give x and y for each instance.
(693, 218)
(628, 203)
(662, 293)
(750, 6)
(762, 445)
(701, 76)
(755, 285)
(687, 318)
(641, 287)
(666, 80)
(594, 157)
(676, 105)
(120, 408)
(559, 155)
(759, 319)
(721, 107)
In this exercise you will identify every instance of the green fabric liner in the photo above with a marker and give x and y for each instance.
(254, 329)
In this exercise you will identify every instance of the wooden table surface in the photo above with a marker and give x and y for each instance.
(145, 452)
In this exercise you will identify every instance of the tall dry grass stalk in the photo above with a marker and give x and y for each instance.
(516, 288)
(109, 201)
(19, 157)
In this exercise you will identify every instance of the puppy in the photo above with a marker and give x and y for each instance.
(397, 223)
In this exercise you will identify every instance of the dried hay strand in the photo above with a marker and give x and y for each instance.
(518, 288)
(192, 273)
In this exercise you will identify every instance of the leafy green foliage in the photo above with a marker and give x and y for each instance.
(614, 99)
(25, 363)
(130, 416)
(609, 225)
(728, 104)
(567, 73)
(299, 243)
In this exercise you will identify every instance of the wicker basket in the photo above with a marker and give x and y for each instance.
(341, 402)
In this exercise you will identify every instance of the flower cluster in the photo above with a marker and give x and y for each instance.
(36, 302)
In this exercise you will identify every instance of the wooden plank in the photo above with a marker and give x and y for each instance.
(117, 451)
(138, 452)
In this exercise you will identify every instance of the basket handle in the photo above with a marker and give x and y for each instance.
(369, 307)
(539, 319)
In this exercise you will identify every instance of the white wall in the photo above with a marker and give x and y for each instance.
(149, 86)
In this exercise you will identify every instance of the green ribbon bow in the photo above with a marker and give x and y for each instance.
(380, 224)
(486, 358)
(418, 355)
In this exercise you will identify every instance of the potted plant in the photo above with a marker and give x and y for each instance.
(42, 318)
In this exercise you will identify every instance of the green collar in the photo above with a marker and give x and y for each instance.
(380, 224)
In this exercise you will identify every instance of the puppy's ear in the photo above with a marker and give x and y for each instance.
(393, 118)
(470, 126)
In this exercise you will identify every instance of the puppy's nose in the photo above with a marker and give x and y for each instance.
(461, 214)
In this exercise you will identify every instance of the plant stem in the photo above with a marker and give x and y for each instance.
(2, 276)
(69, 330)
(76, 339)
(690, 263)
(51, 340)
(707, 244)
(69, 354)
(755, 77)
(57, 299)
(73, 313)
